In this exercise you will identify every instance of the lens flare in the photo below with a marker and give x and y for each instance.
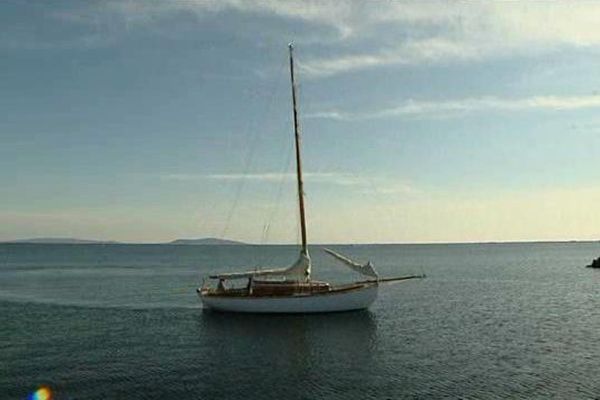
(43, 393)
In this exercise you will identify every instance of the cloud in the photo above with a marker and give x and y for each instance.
(407, 32)
(467, 105)
(412, 52)
(144, 12)
(368, 35)
(317, 177)
(262, 177)
(416, 33)
(367, 184)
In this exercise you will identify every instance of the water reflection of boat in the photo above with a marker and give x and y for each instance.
(284, 356)
(304, 346)
(359, 326)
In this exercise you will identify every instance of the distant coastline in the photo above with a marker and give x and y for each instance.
(60, 241)
(205, 241)
(211, 241)
(187, 242)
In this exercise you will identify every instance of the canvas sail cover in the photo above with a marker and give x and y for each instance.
(365, 269)
(300, 270)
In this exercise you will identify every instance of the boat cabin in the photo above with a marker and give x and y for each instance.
(264, 287)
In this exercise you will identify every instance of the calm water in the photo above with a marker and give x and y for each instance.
(123, 321)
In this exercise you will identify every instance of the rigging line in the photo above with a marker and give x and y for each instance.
(278, 188)
(252, 150)
(389, 210)
(277, 191)
(298, 228)
(275, 208)
(238, 189)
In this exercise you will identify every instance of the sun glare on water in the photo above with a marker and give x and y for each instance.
(43, 393)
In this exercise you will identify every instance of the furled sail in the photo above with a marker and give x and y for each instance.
(365, 269)
(300, 270)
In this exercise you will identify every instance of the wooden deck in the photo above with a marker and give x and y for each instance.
(284, 290)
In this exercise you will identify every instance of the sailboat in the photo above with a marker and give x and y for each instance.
(291, 289)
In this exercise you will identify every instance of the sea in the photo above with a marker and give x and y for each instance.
(116, 321)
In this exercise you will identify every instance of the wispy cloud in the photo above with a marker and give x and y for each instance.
(266, 177)
(416, 33)
(373, 34)
(335, 15)
(572, 22)
(411, 52)
(467, 105)
(366, 184)
(269, 177)
(410, 32)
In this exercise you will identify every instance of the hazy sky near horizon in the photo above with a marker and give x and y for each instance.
(147, 121)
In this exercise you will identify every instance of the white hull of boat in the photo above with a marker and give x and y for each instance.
(334, 301)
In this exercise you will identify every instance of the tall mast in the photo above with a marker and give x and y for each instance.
(298, 158)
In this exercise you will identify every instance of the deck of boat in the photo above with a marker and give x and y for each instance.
(296, 289)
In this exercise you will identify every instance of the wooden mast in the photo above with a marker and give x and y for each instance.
(298, 158)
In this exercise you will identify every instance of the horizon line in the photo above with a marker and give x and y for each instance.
(240, 243)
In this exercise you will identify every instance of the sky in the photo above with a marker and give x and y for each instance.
(147, 121)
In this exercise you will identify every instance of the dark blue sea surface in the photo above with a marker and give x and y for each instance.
(490, 321)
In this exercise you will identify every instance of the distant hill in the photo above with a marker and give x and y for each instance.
(61, 241)
(205, 241)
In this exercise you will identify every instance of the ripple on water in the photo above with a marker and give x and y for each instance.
(490, 321)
